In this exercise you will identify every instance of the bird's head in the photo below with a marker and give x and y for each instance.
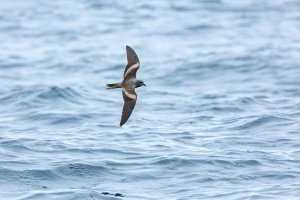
(139, 83)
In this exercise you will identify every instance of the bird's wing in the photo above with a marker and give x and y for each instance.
(129, 97)
(133, 63)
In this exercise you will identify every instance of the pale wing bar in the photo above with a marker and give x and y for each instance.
(131, 72)
(132, 59)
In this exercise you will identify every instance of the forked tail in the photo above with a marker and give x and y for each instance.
(113, 85)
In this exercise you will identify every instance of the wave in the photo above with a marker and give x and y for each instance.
(34, 97)
(59, 94)
(80, 170)
(185, 162)
(24, 176)
(53, 118)
(63, 194)
(263, 121)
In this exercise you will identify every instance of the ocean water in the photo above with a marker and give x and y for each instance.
(219, 118)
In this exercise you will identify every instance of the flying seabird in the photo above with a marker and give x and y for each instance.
(129, 84)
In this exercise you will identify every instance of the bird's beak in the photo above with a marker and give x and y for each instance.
(144, 84)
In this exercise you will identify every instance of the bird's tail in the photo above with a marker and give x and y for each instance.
(113, 85)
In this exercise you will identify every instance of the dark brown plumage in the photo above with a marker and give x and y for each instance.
(128, 84)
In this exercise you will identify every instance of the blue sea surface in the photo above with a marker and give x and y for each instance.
(219, 118)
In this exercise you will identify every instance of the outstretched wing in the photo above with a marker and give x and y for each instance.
(129, 97)
(133, 63)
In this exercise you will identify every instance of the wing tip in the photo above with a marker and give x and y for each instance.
(128, 48)
(132, 57)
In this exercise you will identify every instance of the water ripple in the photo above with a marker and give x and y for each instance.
(221, 106)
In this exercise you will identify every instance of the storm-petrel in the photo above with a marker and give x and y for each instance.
(129, 84)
